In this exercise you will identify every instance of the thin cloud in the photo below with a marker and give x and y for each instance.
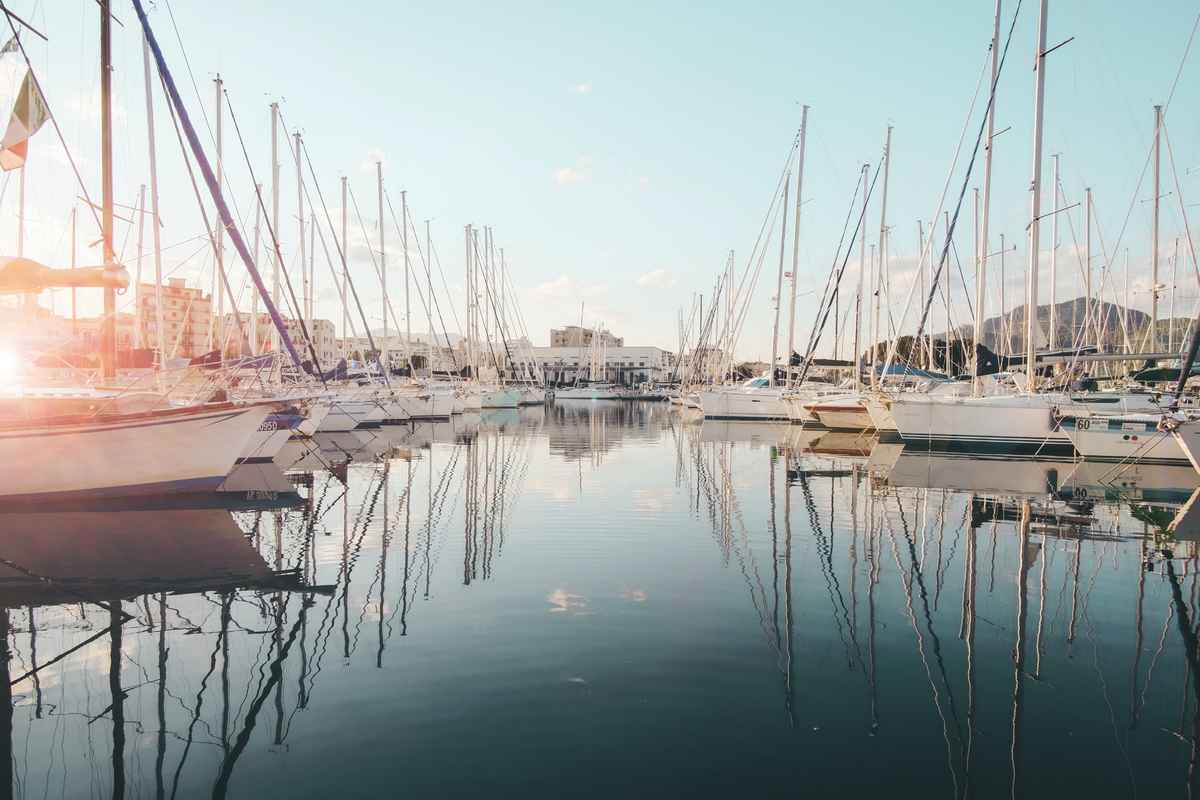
(580, 172)
(581, 88)
(564, 288)
(656, 279)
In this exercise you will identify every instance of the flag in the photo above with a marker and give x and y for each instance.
(29, 111)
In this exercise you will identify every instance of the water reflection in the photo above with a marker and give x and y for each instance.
(551, 595)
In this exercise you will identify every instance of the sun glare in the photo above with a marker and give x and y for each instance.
(10, 368)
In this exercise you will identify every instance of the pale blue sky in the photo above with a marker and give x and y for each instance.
(605, 142)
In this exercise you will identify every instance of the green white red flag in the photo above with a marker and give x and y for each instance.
(18, 91)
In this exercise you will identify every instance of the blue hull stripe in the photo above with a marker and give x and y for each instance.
(188, 486)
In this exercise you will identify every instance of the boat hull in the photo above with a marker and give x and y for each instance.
(1019, 426)
(499, 398)
(754, 404)
(269, 439)
(1123, 439)
(173, 452)
(348, 414)
(841, 415)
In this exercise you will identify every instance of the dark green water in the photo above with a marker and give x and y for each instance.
(603, 600)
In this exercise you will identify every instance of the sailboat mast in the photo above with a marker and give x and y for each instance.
(429, 294)
(981, 281)
(30, 299)
(1035, 203)
(467, 319)
(312, 273)
(791, 348)
(217, 328)
(156, 233)
(1174, 273)
(1087, 271)
(1053, 340)
(74, 317)
(306, 300)
(345, 270)
(779, 281)
(876, 331)
(1154, 234)
(1005, 322)
(254, 295)
(108, 334)
(407, 305)
(1125, 309)
(949, 285)
(275, 265)
(923, 271)
(862, 269)
(382, 264)
(137, 283)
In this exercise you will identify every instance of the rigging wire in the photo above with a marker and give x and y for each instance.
(965, 182)
(295, 304)
(342, 255)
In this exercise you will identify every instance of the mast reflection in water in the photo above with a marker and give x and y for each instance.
(596, 598)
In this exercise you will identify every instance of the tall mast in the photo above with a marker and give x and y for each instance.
(1005, 322)
(429, 293)
(312, 274)
(30, 299)
(21, 218)
(345, 270)
(779, 281)
(503, 312)
(1035, 202)
(137, 283)
(382, 249)
(949, 284)
(74, 317)
(407, 305)
(981, 281)
(796, 244)
(876, 331)
(1154, 235)
(926, 273)
(306, 300)
(275, 265)
(1087, 271)
(1053, 341)
(979, 254)
(108, 334)
(1174, 273)
(254, 295)
(218, 324)
(155, 228)
(1125, 309)
(862, 269)
(467, 243)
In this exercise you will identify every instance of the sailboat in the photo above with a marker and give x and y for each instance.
(99, 443)
(762, 398)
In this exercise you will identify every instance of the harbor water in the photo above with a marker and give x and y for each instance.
(598, 599)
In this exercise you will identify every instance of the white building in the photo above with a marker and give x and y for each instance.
(575, 336)
(626, 365)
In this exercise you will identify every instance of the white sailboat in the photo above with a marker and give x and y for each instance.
(156, 452)
(755, 399)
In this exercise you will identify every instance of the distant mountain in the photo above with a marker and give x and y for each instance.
(1007, 333)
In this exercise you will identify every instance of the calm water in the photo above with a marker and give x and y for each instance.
(594, 600)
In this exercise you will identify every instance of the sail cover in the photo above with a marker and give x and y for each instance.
(19, 93)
